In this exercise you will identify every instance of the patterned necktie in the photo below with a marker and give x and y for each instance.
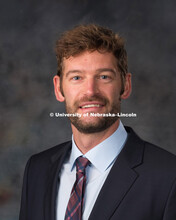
(75, 204)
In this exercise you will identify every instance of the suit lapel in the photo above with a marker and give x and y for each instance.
(53, 181)
(120, 179)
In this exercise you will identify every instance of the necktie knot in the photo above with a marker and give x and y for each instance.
(81, 164)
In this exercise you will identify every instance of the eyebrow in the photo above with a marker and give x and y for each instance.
(101, 70)
(73, 71)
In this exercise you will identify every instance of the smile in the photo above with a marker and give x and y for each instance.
(91, 106)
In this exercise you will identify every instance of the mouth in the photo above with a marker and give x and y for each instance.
(91, 107)
(86, 106)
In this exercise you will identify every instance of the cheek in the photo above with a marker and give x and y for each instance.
(112, 92)
(70, 96)
(115, 96)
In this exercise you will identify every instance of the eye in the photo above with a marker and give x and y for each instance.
(76, 78)
(103, 77)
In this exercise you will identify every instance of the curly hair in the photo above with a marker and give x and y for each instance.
(91, 37)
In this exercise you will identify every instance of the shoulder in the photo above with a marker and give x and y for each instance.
(50, 154)
(153, 157)
(159, 154)
(133, 138)
(159, 162)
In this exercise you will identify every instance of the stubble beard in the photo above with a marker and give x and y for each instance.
(101, 124)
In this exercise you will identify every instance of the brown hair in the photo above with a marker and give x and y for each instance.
(91, 37)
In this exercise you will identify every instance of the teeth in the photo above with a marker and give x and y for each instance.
(89, 106)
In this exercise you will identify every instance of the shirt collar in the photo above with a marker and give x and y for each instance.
(104, 154)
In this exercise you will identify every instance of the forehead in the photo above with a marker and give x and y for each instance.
(90, 60)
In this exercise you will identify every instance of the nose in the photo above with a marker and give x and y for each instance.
(91, 87)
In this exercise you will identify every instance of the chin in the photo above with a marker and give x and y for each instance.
(93, 127)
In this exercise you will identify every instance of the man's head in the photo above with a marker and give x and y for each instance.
(92, 76)
(91, 38)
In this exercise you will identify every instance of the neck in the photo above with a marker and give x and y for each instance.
(86, 142)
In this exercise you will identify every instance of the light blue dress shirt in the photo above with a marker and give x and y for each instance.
(102, 157)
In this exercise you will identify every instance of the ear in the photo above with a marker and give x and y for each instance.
(127, 86)
(57, 89)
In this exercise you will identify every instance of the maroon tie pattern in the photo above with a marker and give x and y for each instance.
(75, 203)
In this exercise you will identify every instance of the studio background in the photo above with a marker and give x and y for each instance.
(28, 32)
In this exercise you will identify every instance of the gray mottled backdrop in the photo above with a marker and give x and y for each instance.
(28, 31)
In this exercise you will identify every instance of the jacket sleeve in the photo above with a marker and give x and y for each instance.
(24, 197)
(170, 208)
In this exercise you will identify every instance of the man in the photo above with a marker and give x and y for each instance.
(106, 171)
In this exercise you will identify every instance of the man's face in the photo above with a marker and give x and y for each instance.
(91, 83)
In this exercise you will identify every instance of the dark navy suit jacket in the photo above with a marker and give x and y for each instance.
(140, 186)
